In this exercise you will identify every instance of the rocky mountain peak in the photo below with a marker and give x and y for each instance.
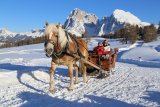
(79, 21)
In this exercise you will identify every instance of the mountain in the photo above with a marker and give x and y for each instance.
(6, 35)
(80, 21)
(118, 20)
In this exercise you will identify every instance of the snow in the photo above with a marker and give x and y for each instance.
(24, 76)
(6, 35)
(4, 31)
(127, 17)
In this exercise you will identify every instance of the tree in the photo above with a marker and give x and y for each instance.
(129, 34)
(141, 33)
(150, 33)
(123, 35)
(110, 36)
(116, 34)
(24, 42)
(158, 31)
(87, 36)
(132, 34)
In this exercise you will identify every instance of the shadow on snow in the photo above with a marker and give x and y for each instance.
(21, 69)
(153, 96)
(42, 100)
(136, 62)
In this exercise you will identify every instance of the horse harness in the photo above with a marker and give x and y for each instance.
(64, 51)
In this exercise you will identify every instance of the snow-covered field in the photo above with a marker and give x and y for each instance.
(24, 79)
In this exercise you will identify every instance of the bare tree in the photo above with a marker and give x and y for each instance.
(150, 33)
(87, 36)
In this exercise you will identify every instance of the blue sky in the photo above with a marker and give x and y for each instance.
(24, 15)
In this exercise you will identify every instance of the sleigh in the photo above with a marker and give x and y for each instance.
(101, 66)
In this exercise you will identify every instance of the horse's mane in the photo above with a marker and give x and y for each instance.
(50, 28)
(62, 37)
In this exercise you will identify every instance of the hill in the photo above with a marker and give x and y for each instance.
(136, 82)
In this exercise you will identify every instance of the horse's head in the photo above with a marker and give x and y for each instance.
(53, 34)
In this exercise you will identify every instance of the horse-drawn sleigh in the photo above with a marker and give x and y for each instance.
(66, 49)
(104, 65)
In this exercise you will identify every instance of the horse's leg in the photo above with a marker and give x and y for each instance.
(52, 83)
(76, 78)
(70, 69)
(84, 72)
(85, 75)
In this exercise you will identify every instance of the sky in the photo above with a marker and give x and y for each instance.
(24, 15)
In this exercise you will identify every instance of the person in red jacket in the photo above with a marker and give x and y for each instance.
(100, 49)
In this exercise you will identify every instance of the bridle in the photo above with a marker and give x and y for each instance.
(56, 45)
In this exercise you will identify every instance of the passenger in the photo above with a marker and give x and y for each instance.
(100, 49)
(106, 45)
(107, 49)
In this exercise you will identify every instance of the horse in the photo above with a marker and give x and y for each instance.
(63, 47)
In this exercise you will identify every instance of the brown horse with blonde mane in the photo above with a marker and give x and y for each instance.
(63, 47)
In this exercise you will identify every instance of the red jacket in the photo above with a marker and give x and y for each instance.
(100, 50)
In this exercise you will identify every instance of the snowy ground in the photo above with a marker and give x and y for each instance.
(135, 82)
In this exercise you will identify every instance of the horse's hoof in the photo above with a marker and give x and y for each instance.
(76, 82)
(70, 88)
(85, 81)
(52, 91)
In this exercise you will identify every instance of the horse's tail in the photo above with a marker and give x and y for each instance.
(84, 56)
(81, 67)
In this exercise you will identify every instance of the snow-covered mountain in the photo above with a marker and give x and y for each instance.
(79, 21)
(6, 35)
(118, 20)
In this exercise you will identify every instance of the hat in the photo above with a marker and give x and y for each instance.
(100, 43)
(105, 41)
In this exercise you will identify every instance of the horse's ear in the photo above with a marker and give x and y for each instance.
(63, 26)
(58, 25)
(46, 24)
